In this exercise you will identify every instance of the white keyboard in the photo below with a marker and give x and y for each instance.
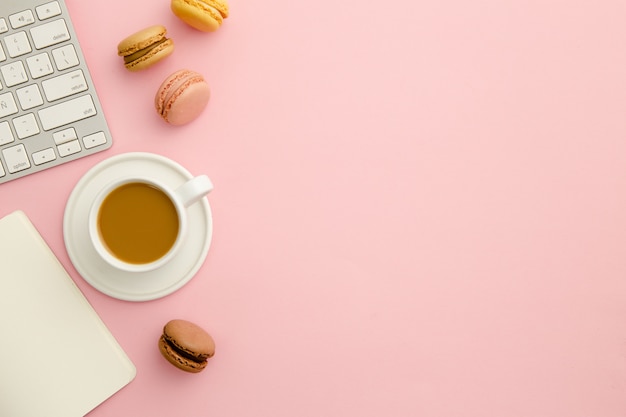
(49, 110)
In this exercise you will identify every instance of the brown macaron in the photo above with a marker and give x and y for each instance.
(186, 345)
(145, 48)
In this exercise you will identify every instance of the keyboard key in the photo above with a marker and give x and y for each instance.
(43, 156)
(3, 57)
(97, 139)
(64, 85)
(65, 57)
(64, 136)
(67, 112)
(6, 136)
(17, 44)
(29, 97)
(7, 105)
(69, 148)
(25, 126)
(48, 10)
(2, 173)
(16, 158)
(3, 25)
(21, 19)
(50, 34)
(14, 73)
(39, 65)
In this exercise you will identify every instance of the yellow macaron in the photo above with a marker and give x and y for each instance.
(204, 15)
(145, 48)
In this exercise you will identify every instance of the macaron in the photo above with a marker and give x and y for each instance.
(186, 345)
(182, 97)
(145, 48)
(204, 15)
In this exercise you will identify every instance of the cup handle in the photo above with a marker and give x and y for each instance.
(194, 189)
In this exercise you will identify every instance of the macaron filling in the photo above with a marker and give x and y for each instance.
(216, 9)
(143, 52)
(222, 9)
(185, 353)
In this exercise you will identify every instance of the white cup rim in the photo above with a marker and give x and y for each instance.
(100, 247)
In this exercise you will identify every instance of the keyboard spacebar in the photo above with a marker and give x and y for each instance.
(67, 112)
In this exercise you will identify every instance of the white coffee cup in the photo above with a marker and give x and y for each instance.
(122, 213)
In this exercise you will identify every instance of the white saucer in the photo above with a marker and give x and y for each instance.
(131, 286)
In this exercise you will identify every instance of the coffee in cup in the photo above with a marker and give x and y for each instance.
(137, 224)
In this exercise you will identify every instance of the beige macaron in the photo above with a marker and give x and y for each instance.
(145, 48)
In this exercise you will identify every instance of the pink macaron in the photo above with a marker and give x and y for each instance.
(182, 97)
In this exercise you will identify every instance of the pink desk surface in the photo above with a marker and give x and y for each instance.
(419, 207)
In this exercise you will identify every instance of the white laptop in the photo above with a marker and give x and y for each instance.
(57, 357)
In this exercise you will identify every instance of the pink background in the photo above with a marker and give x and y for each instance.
(419, 207)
